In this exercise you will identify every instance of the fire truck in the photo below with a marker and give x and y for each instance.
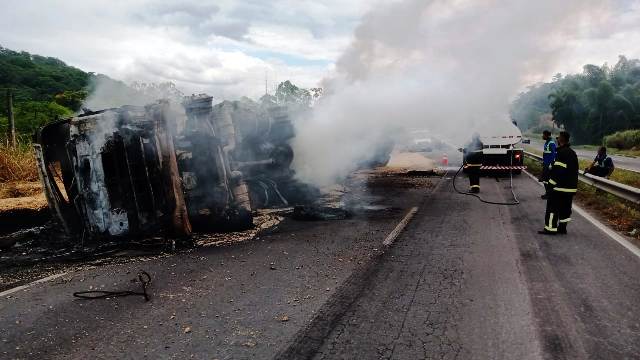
(502, 148)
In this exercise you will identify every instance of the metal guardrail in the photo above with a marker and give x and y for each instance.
(623, 191)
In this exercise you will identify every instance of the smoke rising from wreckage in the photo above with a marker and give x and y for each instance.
(157, 170)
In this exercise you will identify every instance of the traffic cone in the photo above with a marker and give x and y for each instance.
(445, 160)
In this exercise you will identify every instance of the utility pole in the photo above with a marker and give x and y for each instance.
(12, 124)
(266, 81)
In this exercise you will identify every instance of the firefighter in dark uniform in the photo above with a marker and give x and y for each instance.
(563, 182)
(473, 161)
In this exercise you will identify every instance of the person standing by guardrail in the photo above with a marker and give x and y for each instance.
(548, 157)
(563, 180)
(602, 165)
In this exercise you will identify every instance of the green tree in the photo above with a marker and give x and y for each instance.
(30, 115)
(599, 101)
(289, 94)
(71, 99)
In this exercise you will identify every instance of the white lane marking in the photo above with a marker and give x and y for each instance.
(604, 228)
(393, 235)
(25, 286)
(614, 235)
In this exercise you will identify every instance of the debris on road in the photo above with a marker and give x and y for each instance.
(143, 278)
(314, 212)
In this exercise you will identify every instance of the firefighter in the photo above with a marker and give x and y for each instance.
(548, 156)
(563, 183)
(473, 162)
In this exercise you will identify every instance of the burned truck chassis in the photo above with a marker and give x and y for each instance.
(128, 172)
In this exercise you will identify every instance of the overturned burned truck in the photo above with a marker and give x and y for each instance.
(263, 152)
(143, 171)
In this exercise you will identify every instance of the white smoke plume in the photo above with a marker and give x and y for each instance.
(447, 66)
(108, 93)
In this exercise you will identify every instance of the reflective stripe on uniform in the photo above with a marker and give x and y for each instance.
(552, 182)
(547, 146)
(475, 186)
(565, 190)
(549, 226)
(560, 164)
(564, 220)
(545, 182)
(547, 152)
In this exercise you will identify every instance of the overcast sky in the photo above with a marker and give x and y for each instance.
(226, 47)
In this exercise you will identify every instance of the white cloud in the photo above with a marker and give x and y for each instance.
(225, 47)
(297, 41)
(222, 47)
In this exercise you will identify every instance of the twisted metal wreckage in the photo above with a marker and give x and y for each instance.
(142, 171)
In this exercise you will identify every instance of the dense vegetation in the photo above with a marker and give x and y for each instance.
(628, 139)
(43, 88)
(599, 101)
(36, 77)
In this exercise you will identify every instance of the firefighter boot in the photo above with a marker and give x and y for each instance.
(562, 228)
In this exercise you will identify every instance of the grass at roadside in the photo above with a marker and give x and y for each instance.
(619, 175)
(620, 214)
(19, 184)
(17, 164)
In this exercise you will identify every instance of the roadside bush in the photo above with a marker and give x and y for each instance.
(628, 139)
(17, 164)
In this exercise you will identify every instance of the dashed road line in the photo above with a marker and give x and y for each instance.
(26, 286)
(393, 235)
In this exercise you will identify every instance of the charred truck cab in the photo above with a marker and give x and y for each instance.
(132, 172)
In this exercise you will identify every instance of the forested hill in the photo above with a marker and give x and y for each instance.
(599, 101)
(38, 78)
(45, 88)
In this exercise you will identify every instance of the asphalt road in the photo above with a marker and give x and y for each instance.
(622, 162)
(465, 280)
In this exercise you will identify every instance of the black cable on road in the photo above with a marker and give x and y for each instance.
(143, 277)
(515, 198)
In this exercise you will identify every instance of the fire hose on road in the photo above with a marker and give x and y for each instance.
(515, 198)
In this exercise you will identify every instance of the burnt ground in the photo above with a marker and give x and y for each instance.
(465, 280)
(238, 300)
(20, 219)
(42, 248)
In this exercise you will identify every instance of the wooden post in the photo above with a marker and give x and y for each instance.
(12, 124)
